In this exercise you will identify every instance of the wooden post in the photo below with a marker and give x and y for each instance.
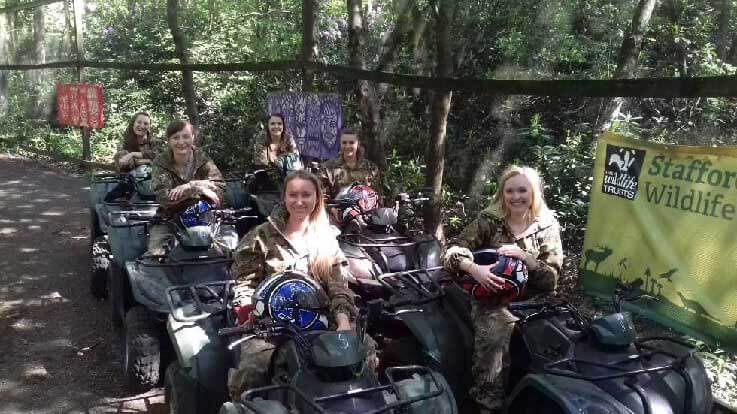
(310, 13)
(78, 8)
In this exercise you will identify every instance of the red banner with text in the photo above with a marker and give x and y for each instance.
(80, 104)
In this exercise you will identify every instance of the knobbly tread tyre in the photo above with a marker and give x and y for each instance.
(173, 389)
(142, 353)
(99, 255)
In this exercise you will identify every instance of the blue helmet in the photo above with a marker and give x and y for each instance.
(194, 230)
(195, 215)
(292, 297)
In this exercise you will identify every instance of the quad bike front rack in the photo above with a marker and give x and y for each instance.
(316, 404)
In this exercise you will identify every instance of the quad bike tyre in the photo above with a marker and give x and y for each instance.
(142, 350)
(174, 390)
(99, 255)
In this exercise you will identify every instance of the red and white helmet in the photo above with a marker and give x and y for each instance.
(512, 270)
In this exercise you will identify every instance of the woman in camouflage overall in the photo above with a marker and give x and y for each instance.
(275, 150)
(139, 147)
(181, 176)
(518, 223)
(295, 237)
(350, 167)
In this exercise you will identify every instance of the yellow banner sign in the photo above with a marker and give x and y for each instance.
(666, 215)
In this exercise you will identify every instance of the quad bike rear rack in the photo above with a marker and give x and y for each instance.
(218, 291)
(315, 404)
(408, 279)
(391, 241)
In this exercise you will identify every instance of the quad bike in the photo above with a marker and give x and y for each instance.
(313, 370)
(370, 240)
(563, 363)
(202, 253)
(115, 197)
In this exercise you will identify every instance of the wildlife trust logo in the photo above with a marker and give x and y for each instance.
(622, 171)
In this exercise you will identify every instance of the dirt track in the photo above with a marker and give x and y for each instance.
(58, 352)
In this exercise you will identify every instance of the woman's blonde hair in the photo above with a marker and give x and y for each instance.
(538, 208)
(323, 245)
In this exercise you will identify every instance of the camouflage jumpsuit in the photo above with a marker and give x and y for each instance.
(150, 149)
(165, 178)
(276, 164)
(264, 252)
(336, 174)
(493, 324)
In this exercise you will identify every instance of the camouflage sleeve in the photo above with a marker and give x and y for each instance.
(544, 275)
(474, 236)
(123, 167)
(341, 296)
(154, 148)
(326, 178)
(249, 265)
(215, 177)
(260, 156)
(377, 184)
(162, 183)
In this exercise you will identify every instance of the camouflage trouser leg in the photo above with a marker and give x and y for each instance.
(493, 328)
(160, 235)
(253, 367)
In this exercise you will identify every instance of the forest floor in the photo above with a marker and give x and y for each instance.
(58, 350)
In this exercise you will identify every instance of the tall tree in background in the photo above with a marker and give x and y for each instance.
(627, 62)
(180, 48)
(724, 12)
(4, 59)
(366, 93)
(310, 14)
(439, 117)
(38, 102)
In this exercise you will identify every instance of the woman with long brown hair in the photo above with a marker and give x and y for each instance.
(139, 146)
(275, 148)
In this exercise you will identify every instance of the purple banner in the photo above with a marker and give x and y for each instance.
(313, 119)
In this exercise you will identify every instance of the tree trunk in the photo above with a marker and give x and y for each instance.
(365, 90)
(419, 48)
(439, 119)
(4, 59)
(310, 13)
(409, 18)
(627, 62)
(38, 102)
(180, 47)
(724, 8)
(67, 43)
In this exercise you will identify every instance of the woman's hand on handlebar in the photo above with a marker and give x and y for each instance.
(343, 322)
(212, 196)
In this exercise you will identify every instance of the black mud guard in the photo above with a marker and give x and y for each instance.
(570, 395)
(446, 343)
(428, 251)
